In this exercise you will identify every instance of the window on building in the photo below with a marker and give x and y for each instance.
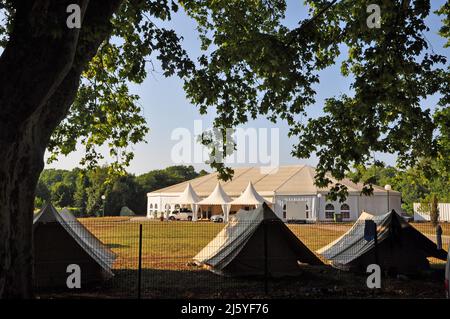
(307, 211)
(329, 211)
(284, 211)
(345, 211)
(167, 207)
(156, 207)
(177, 207)
(151, 207)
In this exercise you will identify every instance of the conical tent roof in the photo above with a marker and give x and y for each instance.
(189, 196)
(249, 197)
(250, 236)
(126, 211)
(83, 237)
(400, 246)
(217, 197)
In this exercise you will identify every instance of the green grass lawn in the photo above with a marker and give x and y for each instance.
(427, 228)
(171, 245)
(165, 245)
(168, 247)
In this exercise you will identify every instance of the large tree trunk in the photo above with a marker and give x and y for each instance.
(22, 162)
(39, 77)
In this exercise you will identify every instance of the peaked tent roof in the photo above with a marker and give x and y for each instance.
(189, 196)
(217, 197)
(238, 250)
(249, 197)
(400, 245)
(85, 239)
(291, 180)
(126, 211)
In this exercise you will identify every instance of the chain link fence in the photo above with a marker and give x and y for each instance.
(154, 259)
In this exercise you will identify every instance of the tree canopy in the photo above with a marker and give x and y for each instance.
(82, 190)
(258, 66)
(417, 184)
(254, 65)
(60, 86)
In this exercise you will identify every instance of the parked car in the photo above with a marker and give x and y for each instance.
(217, 218)
(182, 214)
(447, 276)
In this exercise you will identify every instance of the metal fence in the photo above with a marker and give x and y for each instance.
(154, 259)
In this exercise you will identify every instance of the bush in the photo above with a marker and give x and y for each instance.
(75, 211)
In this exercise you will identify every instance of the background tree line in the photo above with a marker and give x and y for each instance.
(82, 190)
(427, 182)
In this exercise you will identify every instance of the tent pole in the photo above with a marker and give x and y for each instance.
(226, 211)
(266, 266)
(194, 212)
(376, 246)
(140, 263)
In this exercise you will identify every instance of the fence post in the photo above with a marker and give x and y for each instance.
(140, 263)
(266, 266)
(376, 245)
(439, 236)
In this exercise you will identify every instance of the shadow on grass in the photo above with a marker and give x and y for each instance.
(313, 282)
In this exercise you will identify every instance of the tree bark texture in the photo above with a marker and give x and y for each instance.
(40, 72)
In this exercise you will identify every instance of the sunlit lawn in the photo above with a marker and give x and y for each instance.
(429, 229)
(168, 248)
(171, 245)
(165, 245)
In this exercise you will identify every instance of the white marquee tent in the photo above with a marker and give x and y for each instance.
(249, 197)
(218, 197)
(286, 188)
(189, 197)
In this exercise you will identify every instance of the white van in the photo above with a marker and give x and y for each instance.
(182, 214)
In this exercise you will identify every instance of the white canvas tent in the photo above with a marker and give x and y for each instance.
(252, 241)
(249, 197)
(401, 248)
(59, 240)
(218, 197)
(282, 185)
(189, 197)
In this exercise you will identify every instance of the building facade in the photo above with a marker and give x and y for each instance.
(281, 185)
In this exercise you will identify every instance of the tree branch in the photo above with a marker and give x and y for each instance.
(96, 28)
(38, 56)
(297, 31)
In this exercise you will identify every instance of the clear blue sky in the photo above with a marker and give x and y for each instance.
(166, 107)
